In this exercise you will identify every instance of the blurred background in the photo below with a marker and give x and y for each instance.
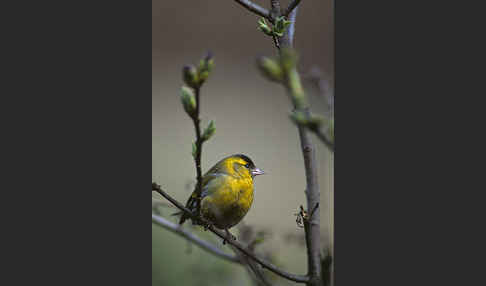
(251, 117)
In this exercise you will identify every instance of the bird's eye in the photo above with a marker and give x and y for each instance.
(247, 165)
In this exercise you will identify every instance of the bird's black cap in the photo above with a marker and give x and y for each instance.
(247, 159)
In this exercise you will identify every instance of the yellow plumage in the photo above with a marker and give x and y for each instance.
(227, 191)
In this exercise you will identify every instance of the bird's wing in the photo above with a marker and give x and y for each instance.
(210, 184)
(213, 183)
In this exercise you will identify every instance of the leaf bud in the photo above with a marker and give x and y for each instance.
(189, 75)
(209, 131)
(270, 69)
(188, 100)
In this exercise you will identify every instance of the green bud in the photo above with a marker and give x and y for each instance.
(281, 24)
(188, 100)
(210, 64)
(209, 131)
(262, 22)
(205, 67)
(266, 30)
(270, 69)
(296, 91)
(209, 61)
(189, 74)
(286, 24)
(262, 26)
(203, 76)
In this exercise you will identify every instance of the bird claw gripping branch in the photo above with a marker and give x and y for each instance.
(228, 236)
(206, 226)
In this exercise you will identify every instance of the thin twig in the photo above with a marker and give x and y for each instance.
(291, 7)
(264, 264)
(275, 11)
(256, 272)
(316, 77)
(160, 221)
(287, 40)
(255, 8)
(158, 203)
(199, 143)
(322, 82)
(291, 30)
(324, 139)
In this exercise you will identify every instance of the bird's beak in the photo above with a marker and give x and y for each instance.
(257, 171)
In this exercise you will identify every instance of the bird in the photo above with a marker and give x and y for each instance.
(226, 192)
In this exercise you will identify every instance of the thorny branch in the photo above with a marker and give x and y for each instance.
(264, 264)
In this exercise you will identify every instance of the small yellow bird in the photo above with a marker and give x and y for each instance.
(227, 192)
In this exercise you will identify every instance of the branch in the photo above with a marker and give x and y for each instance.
(160, 221)
(312, 230)
(275, 11)
(247, 237)
(264, 264)
(316, 77)
(291, 29)
(255, 8)
(194, 78)
(199, 143)
(291, 7)
(311, 226)
(324, 139)
(253, 268)
(322, 83)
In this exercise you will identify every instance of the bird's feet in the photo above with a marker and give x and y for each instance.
(228, 236)
(206, 226)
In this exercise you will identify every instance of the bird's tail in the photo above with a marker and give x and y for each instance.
(184, 217)
(177, 213)
(191, 205)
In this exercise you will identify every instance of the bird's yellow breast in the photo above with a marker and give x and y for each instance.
(228, 200)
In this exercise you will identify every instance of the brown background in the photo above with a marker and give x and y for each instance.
(251, 116)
